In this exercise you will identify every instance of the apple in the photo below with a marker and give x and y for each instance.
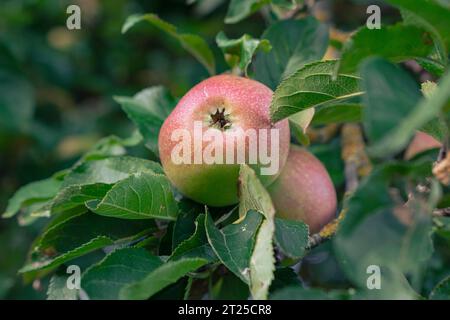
(421, 142)
(220, 123)
(304, 190)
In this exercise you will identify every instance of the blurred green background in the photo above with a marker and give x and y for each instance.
(57, 88)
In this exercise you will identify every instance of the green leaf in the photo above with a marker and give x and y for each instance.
(111, 146)
(229, 216)
(234, 243)
(76, 195)
(140, 196)
(229, 287)
(386, 85)
(299, 123)
(29, 214)
(436, 128)
(262, 263)
(31, 193)
(161, 277)
(444, 224)
(92, 179)
(194, 44)
(109, 170)
(253, 196)
(380, 230)
(239, 52)
(176, 291)
(148, 109)
(185, 225)
(441, 291)
(311, 86)
(291, 237)
(295, 43)
(196, 246)
(241, 9)
(105, 279)
(188, 287)
(284, 277)
(58, 290)
(390, 129)
(429, 14)
(79, 234)
(345, 111)
(396, 43)
(434, 67)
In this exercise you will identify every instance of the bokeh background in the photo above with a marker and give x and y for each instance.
(57, 88)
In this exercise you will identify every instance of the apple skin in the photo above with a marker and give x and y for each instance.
(304, 191)
(246, 102)
(421, 142)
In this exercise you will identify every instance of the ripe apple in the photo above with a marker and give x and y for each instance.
(421, 142)
(228, 108)
(304, 190)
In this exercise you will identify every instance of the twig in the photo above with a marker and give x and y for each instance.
(443, 212)
(357, 164)
(326, 233)
(351, 177)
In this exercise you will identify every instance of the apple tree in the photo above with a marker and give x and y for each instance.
(117, 227)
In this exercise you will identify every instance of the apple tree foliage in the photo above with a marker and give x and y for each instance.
(154, 243)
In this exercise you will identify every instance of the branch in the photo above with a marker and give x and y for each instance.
(357, 164)
(354, 150)
(326, 233)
